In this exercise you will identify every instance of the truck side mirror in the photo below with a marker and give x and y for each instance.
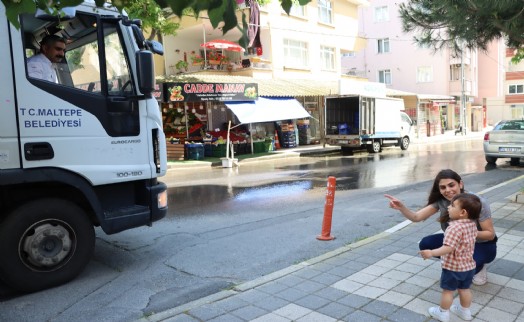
(145, 71)
(155, 47)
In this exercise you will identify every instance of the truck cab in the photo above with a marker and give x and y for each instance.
(79, 151)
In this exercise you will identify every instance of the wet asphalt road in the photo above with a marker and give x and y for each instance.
(228, 226)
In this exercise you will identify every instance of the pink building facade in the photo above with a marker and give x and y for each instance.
(434, 78)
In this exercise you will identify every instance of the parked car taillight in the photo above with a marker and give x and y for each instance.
(486, 136)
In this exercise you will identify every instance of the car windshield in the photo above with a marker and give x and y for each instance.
(510, 125)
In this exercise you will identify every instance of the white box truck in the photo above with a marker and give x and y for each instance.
(79, 152)
(356, 121)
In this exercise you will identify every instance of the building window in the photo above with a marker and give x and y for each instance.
(295, 54)
(327, 58)
(381, 14)
(384, 76)
(424, 74)
(383, 45)
(454, 72)
(297, 10)
(325, 11)
(349, 54)
(516, 89)
(517, 112)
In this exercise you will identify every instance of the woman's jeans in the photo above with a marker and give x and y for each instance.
(484, 252)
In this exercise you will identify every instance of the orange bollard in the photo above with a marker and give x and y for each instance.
(328, 210)
(277, 143)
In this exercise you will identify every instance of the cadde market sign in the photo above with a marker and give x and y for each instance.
(198, 92)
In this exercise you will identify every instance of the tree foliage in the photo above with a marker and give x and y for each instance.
(221, 12)
(473, 23)
(154, 19)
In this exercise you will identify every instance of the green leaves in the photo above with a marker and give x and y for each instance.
(14, 8)
(474, 23)
(222, 13)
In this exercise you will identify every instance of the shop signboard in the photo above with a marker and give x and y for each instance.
(202, 92)
(157, 93)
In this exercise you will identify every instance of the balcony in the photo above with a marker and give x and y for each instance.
(354, 72)
(455, 88)
(245, 67)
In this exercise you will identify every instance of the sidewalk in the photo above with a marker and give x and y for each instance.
(380, 278)
(318, 149)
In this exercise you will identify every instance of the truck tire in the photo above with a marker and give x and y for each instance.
(374, 147)
(404, 143)
(491, 159)
(514, 161)
(44, 243)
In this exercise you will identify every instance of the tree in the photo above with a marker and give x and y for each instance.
(154, 18)
(220, 11)
(473, 23)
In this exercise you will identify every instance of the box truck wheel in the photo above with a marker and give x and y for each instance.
(44, 243)
(374, 147)
(404, 143)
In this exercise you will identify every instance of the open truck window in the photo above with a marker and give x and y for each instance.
(81, 67)
(94, 72)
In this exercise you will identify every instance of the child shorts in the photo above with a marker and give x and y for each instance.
(450, 280)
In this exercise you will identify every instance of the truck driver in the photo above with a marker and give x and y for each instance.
(42, 65)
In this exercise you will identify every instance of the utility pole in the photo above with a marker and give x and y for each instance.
(463, 94)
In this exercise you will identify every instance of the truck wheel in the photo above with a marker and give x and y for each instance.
(514, 161)
(374, 147)
(44, 243)
(404, 143)
(491, 159)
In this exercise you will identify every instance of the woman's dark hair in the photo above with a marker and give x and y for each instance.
(434, 194)
(470, 203)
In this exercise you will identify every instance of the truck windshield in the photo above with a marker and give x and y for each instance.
(83, 61)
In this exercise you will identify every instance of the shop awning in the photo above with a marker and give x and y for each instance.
(268, 110)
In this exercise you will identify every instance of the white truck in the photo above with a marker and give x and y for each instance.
(356, 121)
(81, 153)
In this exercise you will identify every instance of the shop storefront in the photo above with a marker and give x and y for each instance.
(196, 117)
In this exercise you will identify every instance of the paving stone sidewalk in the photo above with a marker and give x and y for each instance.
(381, 278)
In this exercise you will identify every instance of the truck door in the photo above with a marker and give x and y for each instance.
(367, 113)
(89, 122)
(9, 152)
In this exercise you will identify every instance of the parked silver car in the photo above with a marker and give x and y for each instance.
(506, 140)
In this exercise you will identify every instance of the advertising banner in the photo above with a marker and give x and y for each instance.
(201, 92)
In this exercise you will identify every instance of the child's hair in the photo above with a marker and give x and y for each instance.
(470, 202)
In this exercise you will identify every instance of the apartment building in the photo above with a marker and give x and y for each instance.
(508, 102)
(446, 89)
